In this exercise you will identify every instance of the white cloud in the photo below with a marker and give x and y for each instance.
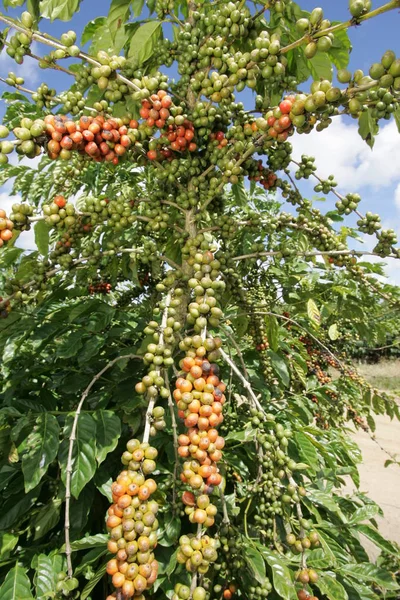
(397, 197)
(29, 69)
(340, 151)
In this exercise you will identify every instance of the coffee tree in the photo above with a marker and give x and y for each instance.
(174, 318)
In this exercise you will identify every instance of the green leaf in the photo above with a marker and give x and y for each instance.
(368, 127)
(281, 576)
(396, 115)
(306, 450)
(59, 9)
(42, 445)
(117, 15)
(240, 194)
(170, 530)
(331, 588)
(144, 41)
(108, 431)
(91, 348)
(91, 28)
(93, 582)
(8, 541)
(137, 6)
(254, 562)
(16, 585)
(333, 332)
(90, 541)
(272, 332)
(42, 232)
(313, 312)
(47, 518)
(341, 48)
(373, 534)
(363, 513)
(321, 66)
(370, 573)
(15, 508)
(83, 455)
(280, 366)
(103, 40)
(47, 569)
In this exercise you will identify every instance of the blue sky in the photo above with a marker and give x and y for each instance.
(339, 150)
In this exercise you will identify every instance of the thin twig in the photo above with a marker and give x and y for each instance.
(244, 381)
(72, 439)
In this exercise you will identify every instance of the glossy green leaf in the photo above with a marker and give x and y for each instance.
(368, 127)
(42, 448)
(47, 518)
(42, 232)
(17, 507)
(373, 534)
(46, 579)
(370, 573)
(84, 452)
(254, 562)
(137, 6)
(117, 15)
(313, 312)
(331, 588)
(91, 28)
(93, 582)
(363, 513)
(333, 332)
(8, 541)
(341, 48)
(58, 9)
(281, 576)
(280, 367)
(16, 585)
(306, 450)
(108, 431)
(144, 41)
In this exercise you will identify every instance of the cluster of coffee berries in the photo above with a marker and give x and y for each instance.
(6, 227)
(13, 80)
(25, 143)
(19, 45)
(315, 23)
(182, 592)
(280, 121)
(348, 204)
(307, 576)
(197, 553)
(155, 109)
(101, 287)
(306, 167)
(132, 523)
(359, 7)
(264, 176)
(20, 216)
(200, 509)
(298, 545)
(99, 138)
(44, 96)
(67, 586)
(59, 213)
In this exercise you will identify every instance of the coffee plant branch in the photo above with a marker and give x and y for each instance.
(72, 439)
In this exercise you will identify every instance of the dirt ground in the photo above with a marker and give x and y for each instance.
(380, 483)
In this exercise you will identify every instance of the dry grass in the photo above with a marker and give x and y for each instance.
(384, 375)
